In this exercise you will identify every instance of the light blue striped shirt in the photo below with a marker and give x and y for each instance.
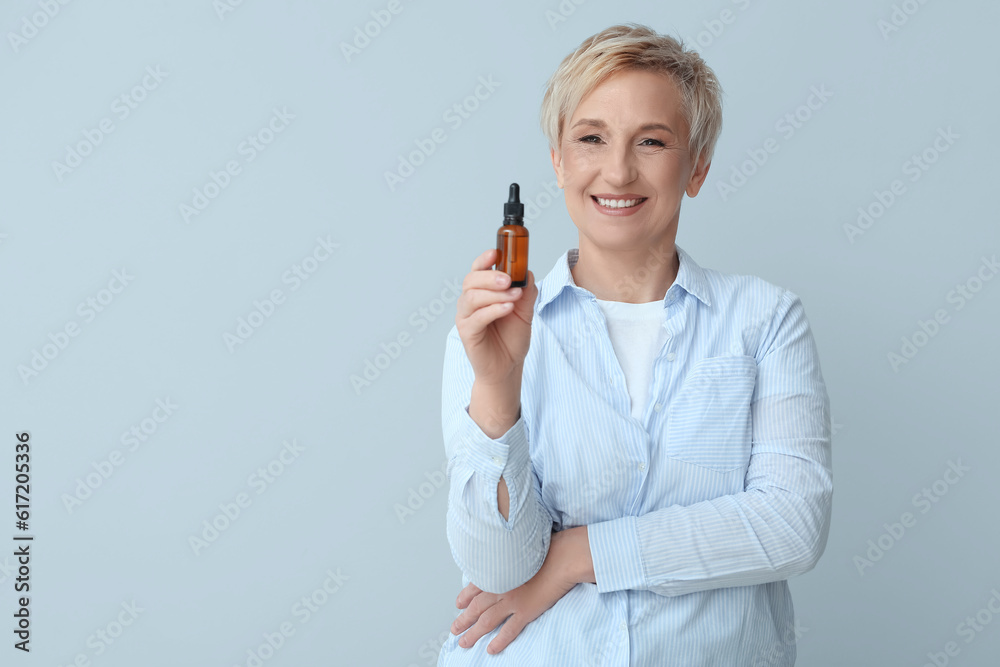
(697, 513)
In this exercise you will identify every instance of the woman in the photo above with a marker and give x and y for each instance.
(639, 448)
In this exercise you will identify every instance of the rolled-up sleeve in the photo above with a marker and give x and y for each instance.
(495, 554)
(777, 527)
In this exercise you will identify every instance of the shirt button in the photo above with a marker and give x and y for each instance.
(611, 379)
(642, 466)
(658, 407)
(497, 460)
(671, 356)
(623, 626)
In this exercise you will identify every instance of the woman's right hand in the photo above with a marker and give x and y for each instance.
(494, 321)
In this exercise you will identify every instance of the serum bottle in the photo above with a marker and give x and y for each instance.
(512, 240)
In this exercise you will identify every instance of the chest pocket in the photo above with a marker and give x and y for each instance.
(709, 419)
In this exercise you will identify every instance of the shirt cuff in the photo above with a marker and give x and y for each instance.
(492, 458)
(614, 548)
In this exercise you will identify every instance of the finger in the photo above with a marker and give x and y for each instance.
(479, 604)
(482, 288)
(489, 620)
(466, 595)
(476, 298)
(472, 322)
(481, 277)
(486, 260)
(484, 275)
(508, 633)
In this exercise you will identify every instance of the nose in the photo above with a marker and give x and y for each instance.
(620, 166)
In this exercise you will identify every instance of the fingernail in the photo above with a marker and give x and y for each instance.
(502, 280)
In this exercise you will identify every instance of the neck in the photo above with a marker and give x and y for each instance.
(631, 276)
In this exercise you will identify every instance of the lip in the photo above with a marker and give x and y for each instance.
(618, 211)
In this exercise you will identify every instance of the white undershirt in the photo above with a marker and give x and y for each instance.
(637, 335)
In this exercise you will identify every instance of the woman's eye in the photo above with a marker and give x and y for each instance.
(593, 139)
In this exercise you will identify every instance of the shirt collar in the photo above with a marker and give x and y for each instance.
(690, 278)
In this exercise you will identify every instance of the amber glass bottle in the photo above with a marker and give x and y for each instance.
(512, 240)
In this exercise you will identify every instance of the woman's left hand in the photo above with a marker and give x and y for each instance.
(520, 606)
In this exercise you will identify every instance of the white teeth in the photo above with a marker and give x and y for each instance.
(618, 203)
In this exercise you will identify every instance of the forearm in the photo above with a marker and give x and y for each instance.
(579, 562)
(767, 533)
(496, 553)
(495, 410)
(498, 528)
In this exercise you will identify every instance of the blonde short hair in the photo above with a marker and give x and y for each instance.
(636, 47)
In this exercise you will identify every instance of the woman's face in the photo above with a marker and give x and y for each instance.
(627, 141)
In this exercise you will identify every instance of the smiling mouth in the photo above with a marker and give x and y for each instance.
(618, 203)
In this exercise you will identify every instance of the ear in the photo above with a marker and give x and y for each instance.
(698, 177)
(557, 165)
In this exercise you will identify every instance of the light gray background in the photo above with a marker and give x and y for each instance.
(364, 453)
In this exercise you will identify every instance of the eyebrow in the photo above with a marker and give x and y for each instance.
(601, 124)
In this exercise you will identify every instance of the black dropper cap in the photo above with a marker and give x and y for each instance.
(513, 210)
